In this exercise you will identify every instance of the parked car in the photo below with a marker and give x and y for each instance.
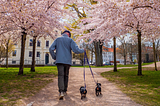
(92, 63)
(106, 63)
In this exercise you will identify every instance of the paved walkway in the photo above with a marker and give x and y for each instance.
(111, 95)
(152, 65)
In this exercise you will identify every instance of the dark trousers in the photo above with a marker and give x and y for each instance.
(63, 75)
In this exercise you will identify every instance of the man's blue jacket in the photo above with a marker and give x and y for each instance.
(63, 46)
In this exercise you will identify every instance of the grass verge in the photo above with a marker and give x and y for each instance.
(14, 87)
(144, 89)
(120, 65)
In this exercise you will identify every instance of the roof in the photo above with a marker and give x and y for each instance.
(106, 49)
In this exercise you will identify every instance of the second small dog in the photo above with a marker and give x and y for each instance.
(98, 89)
(83, 92)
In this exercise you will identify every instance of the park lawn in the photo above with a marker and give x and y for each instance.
(106, 66)
(146, 63)
(144, 89)
(121, 65)
(109, 66)
(14, 87)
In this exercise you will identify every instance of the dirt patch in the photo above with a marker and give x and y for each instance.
(22, 88)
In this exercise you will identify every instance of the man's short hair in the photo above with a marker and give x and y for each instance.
(68, 32)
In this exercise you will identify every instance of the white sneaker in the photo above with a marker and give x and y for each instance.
(61, 95)
(65, 93)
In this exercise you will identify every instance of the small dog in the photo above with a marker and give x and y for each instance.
(98, 89)
(83, 92)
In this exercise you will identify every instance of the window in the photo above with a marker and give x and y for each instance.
(110, 58)
(38, 43)
(30, 53)
(38, 54)
(13, 62)
(30, 42)
(47, 43)
(14, 53)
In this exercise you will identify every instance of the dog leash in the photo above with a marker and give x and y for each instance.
(85, 55)
(84, 72)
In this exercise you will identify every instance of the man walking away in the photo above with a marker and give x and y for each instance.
(63, 56)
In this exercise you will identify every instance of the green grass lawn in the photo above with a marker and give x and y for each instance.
(14, 87)
(120, 65)
(144, 89)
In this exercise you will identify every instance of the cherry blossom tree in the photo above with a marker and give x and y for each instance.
(9, 41)
(80, 10)
(26, 15)
(104, 20)
(139, 15)
(7, 37)
(123, 48)
(152, 35)
(112, 18)
(2, 49)
(37, 34)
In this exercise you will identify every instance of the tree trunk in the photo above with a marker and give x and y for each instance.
(131, 59)
(23, 41)
(157, 51)
(154, 51)
(115, 62)
(33, 54)
(124, 53)
(92, 56)
(139, 54)
(7, 53)
(95, 47)
(0, 54)
(131, 56)
(124, 59)
(82, 59)
(98, 53)
(157, 55)
(101, 57)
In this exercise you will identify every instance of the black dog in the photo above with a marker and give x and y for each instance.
(83, 92)
(98, 89)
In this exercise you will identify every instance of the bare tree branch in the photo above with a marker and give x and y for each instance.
(49, 6)
(129, 25)
(145, 7)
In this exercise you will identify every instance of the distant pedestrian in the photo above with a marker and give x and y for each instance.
(63, 56)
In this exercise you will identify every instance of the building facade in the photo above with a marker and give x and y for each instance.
(107, 54)
(42, 55)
